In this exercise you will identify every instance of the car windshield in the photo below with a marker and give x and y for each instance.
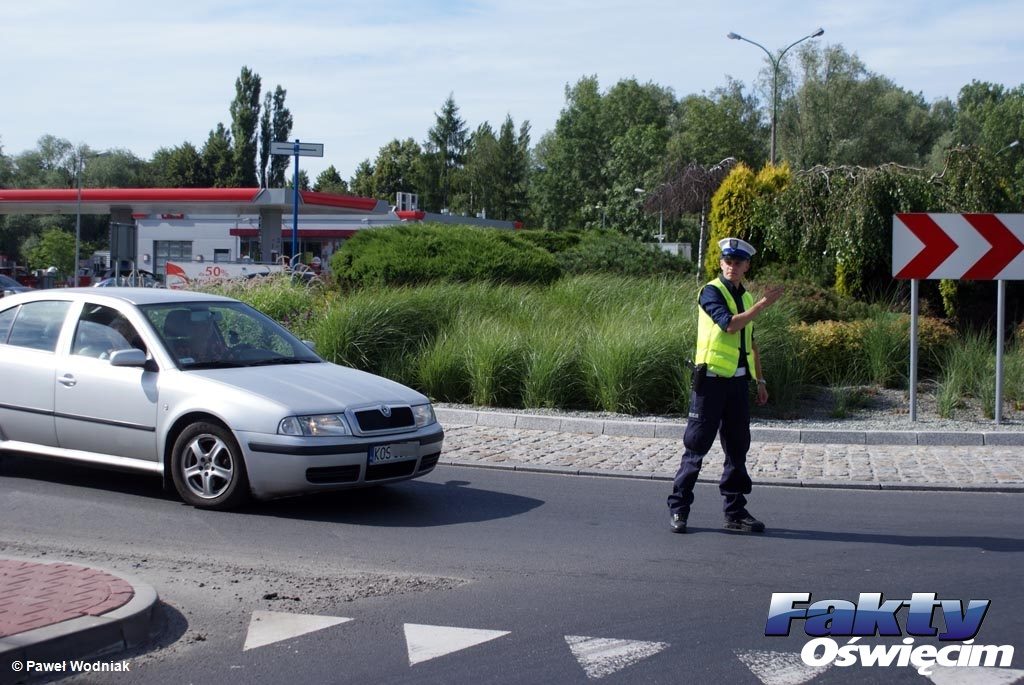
(211, 335)
(8, 282)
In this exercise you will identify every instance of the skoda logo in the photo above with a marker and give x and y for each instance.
(385, 410)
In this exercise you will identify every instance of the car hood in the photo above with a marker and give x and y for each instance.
(319, 387)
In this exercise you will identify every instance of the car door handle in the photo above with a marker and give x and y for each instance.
(67, 380)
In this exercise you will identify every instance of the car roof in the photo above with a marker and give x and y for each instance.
(136, 296)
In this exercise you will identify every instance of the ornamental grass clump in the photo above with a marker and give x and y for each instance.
(496, 361)
(634, 367)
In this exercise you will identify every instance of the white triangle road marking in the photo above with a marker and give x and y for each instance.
(975, 675)
(267, 627)
(603, 656)
(779, 668)
(429, 642)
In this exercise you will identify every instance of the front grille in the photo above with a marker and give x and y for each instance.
(428, 462)
(373, 420)
(393, 470)
(333, 474)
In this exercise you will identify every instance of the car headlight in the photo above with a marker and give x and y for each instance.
(424, 415)
(320, 425)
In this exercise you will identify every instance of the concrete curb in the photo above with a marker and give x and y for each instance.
(85, 637)
(674, 430)
(1008, 488)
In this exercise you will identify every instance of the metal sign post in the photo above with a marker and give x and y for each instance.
(959, 247)
(297, 150)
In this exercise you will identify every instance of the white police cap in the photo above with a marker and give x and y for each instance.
(736, 247)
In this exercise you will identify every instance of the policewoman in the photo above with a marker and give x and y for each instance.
(726, 361)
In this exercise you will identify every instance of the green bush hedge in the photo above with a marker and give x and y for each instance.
(613, 253)
(412, 255)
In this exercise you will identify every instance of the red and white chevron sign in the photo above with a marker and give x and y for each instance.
(974, 247)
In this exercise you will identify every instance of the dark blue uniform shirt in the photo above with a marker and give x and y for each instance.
(714, 305)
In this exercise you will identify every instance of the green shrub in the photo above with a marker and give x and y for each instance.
(552, 241)
(614, 253)
(811, 303)
(869, 350)
(828, 350)
(411, 255)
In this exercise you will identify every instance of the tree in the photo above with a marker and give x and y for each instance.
(568, 177)
(362, 181)
(280, 130)
(395, 169)
(266, 138)
(218, 159)
(179, 167)
(587, 168)
(481, 179)
(116, 169)
(245, 115)
(448, 140)
(303, 181)
(510, 199)
(51, 165)
(330, 181)
(55, 247)
(842, 114)
(724, 123)
(990, 116)
(6, 168)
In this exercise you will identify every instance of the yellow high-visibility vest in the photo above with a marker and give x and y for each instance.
(721, 350)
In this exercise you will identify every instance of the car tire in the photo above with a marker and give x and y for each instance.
(208, 469)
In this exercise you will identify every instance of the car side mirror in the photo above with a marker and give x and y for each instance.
(132, 357)
(310, 344)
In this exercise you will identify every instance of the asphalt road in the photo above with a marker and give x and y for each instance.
(578, 578)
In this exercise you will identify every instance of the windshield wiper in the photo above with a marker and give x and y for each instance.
(282, 360)
(213, 365)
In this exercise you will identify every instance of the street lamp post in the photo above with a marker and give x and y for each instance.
(661, 216)
(776, 61)
(78, 205)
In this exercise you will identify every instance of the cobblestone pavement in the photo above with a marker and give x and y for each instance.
(982, 467)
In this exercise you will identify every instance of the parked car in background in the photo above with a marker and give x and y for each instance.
(9, 286)
(139, 279)
(220, 400)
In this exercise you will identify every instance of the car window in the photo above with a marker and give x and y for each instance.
(215, 334)
(101, 331)
(6, 319)
(37, 325)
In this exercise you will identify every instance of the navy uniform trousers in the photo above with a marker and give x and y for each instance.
(723, 403)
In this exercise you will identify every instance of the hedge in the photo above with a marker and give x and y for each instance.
(412, 255)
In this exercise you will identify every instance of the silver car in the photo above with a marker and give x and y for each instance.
(203, 390)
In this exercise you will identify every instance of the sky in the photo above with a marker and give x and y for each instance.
(145, 75)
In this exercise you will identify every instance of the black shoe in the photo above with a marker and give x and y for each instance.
(745, 523)
(678, 523)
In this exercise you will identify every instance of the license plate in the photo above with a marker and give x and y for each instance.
(399, 451)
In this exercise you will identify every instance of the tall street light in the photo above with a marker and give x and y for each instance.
(776, 61)
(78, 209)
(661, 216)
